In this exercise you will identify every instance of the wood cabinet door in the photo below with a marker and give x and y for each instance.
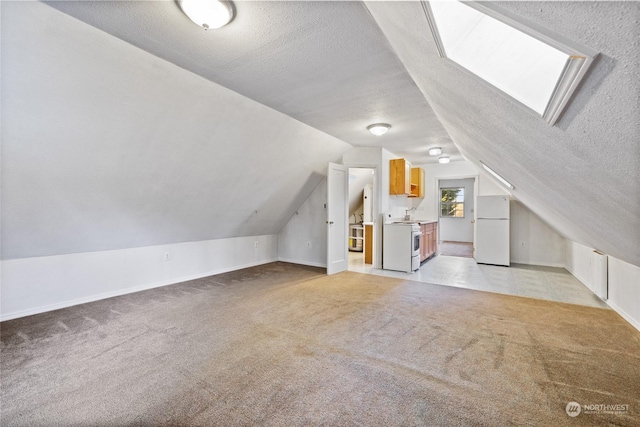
(435, 238)
(399, 169)
(407, 178)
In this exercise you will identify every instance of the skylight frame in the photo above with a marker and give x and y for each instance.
(497, 176)
(579, 61)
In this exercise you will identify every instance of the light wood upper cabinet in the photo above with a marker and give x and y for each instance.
(417, 182)
(399, 177)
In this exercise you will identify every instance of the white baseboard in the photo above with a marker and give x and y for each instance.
(36, 285)
(624, 315)
(133, 289)
(541, 264)
(309, 263)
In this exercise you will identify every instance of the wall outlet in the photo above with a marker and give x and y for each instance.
(167, 256)
(309, 244)
(255, 244)
(522, 244)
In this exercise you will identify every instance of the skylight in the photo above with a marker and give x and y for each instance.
(497, 176)
(538, 69)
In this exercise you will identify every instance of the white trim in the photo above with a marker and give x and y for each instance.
(376, 244)
(580, 57)
(635, 323)
(541, 264)
(309, 263)
(133, 289)
(35, 285)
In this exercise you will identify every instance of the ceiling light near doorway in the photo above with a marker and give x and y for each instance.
(444, 159)
(435, 151)
(208, 13)
(379, 128)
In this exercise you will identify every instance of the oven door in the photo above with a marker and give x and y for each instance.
(415, 235)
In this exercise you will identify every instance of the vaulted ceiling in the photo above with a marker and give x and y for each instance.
(108, 87)
(582, 176)
(326, 64)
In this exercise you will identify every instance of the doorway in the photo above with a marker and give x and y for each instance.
(361, 218)
(456, 211)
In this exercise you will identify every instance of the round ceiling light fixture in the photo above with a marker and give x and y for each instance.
(379, 128)
(208, 13)
(444, 159)
(435, 151)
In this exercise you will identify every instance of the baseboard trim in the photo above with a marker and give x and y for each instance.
(635, 323)
(309, 263)
(541, 264)
(125, 291)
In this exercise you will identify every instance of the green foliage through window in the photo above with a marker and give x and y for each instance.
(452, 202)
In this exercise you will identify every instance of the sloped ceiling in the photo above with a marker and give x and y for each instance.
(326, 64)
(105, 146)
(582, 176)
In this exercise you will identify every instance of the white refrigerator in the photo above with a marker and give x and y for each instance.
(492, 230)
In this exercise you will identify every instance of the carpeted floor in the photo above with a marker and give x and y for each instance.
(285, 345)
(459, 249)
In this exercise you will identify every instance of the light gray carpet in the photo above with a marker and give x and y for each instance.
(284, 345)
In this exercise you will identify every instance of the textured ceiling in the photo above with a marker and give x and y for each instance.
(105, 146)
(581, 176)
(109, 146)
(326, 64)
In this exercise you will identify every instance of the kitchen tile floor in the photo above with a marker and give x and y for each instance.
(548, 283)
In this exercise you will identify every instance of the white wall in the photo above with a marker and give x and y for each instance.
(303, 240)
(552, 167)
(623, 280)
(578, 261)
(112, 156)
(427, 208)
(542, 244)
(459, 229)
(532, 240)
(372, 157)
(395, 205)
(39, 284)
(105, 146)
(624, 290)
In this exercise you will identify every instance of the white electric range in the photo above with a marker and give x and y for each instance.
(401, 247)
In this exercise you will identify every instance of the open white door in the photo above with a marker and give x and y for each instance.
(337, 214)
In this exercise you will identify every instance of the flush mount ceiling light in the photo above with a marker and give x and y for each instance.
(533, 65)
(435, 151)
(208, 13)
(444, 159)
(496, 176)
(379, 128)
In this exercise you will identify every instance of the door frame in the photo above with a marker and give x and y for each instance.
(377, 208)
(475, 196)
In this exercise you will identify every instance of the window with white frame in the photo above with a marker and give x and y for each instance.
(452, 202)
(538, 68)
